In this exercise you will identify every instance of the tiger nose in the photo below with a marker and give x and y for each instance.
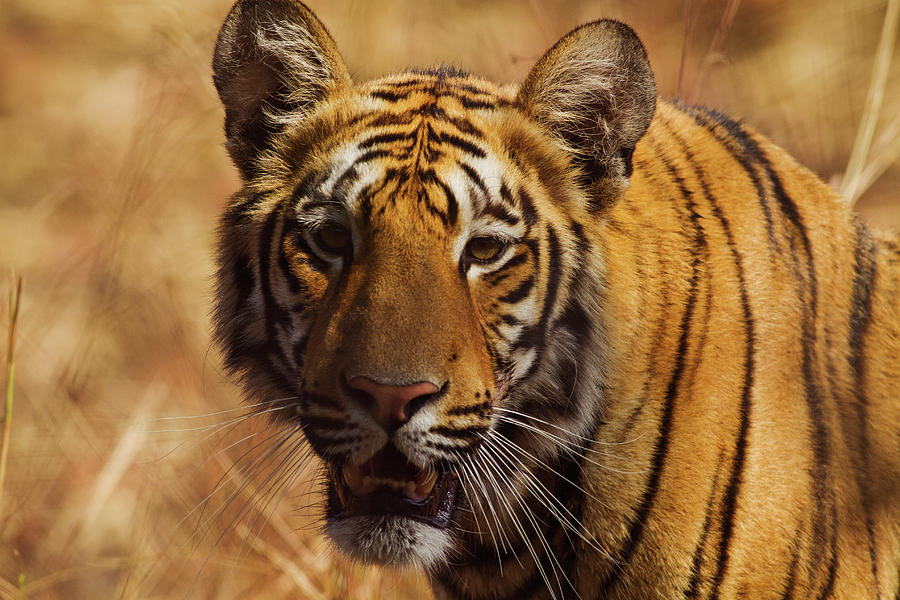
(393, 405)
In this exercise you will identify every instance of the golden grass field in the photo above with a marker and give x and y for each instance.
(112, 174)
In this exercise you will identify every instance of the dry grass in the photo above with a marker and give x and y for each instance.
(113, 174)
(15, 301)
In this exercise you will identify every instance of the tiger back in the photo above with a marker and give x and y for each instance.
(558, 340)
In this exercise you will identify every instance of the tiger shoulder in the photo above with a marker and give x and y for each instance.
(560, 339)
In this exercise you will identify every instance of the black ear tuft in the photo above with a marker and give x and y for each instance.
(594, 91)
(273, 61)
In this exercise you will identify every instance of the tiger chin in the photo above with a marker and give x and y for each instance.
(559, 339)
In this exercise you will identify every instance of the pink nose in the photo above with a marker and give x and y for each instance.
(394, 404)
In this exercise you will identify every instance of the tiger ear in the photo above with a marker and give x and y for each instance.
(273, 61)
(594, 92)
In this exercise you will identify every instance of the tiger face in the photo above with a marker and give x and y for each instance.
(414, 333)
(391, 274)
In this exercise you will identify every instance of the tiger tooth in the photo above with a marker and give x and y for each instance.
(352, 477)
(426, 484)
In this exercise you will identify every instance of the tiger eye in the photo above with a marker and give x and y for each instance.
(484, 248)
(333, 238)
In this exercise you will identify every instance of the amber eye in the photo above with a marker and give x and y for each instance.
(484, 249)
(333, 238)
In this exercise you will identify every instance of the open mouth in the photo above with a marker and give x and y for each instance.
(389, 484)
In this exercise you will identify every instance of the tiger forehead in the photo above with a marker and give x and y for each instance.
(423, 117)
(401, 150)
(417, 89)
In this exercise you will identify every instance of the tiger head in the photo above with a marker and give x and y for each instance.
(412, 272)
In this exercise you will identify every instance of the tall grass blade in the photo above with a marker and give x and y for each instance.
(15, 295)
(851, 185)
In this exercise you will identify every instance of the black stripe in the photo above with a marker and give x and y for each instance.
(294, 283)
(236, 343)
(660, 295)
(472, 89)
(461, 144)
(462, 125)
(445, 579)
(388, 95)
(452, 204)
(581, 240)
(510, 320)
(383, 138)
(828, 589)
(554, 275)
(791, 582)
(807, 286)
(495, 277)
(273, 311)
(859, 321)
(475, 177)
(661, 447)
(302, 188)
(520, 293)
(451, 449)
(343, 183)
(473, 104)
(747, 155)
(537, 336)
(693, 590)
(237, 211)
(472, 409)
(413, 82)
(500, 212)
(300, 351)
(382, 119)
(371, 155)
(566, 472)
(244, 278)
(732, 489)
(365, 207)
(526, 204)
(323, 423)
(506, 195)
(576, 320)
(459, 433)
(426, 176)
(311, 258)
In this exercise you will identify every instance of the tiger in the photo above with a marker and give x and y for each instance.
(557, 339)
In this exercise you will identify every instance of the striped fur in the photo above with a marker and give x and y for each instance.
(678, 379)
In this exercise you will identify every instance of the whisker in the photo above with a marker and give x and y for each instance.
(555, 426)
(221, 412)
(575, 448)
(480, 506)
(290, 465)
(489, 465)
(223, 480)
(507, 545)
(223, 423)
(275, 450)
(204, 524)
(551, 502)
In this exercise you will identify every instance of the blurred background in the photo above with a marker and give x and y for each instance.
(133, 471)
